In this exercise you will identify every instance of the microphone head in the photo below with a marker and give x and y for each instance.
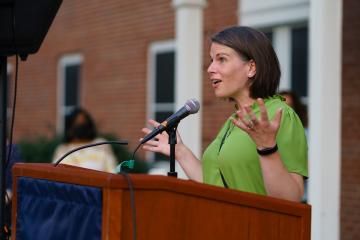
(192, 105)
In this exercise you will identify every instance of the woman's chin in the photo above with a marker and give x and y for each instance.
(221, 95)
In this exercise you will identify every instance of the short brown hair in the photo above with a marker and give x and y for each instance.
(251, 44)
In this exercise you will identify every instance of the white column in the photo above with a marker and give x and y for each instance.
(189, 54)
(282, 46)
(325, 117)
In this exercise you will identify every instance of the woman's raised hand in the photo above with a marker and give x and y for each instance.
(261, 130)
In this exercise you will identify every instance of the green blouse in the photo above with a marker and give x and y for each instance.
(233, 152)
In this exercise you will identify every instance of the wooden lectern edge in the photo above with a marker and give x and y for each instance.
(76, 175)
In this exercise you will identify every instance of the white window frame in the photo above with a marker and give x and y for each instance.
(282, 40)
(259, 13)
(152, 107)
(65, 61)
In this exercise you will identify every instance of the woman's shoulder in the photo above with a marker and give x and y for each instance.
(275, 102)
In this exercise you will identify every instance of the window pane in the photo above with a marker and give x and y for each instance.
(299, 73)
(163, 115)
(160, 117)
(269, 35)
(165, 75)
(72, 76)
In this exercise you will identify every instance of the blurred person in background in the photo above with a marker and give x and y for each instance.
(80, 130)
(292, 99)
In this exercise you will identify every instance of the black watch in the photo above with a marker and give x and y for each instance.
(267, 151)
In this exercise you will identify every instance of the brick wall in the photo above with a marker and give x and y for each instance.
(350, 170)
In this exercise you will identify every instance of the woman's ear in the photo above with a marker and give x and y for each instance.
(252, 68)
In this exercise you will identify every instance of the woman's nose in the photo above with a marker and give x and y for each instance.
(210, 69)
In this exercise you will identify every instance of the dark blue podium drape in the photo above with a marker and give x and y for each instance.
(57, 211)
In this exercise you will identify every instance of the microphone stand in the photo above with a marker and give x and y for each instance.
(172, 141)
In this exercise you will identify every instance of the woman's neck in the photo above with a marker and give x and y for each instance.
(244, 100)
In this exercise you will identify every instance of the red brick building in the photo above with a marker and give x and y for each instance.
(109, 57)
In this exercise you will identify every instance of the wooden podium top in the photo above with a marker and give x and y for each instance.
(75, 175)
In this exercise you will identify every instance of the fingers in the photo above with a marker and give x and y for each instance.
(146, 130)
(153, 143)
(238, 123)
(263, 112)
(252, 119)
(153, 123)
(247, 119)
(242, 122)
(150, 148)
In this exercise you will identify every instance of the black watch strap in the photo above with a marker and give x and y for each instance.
(267, 151)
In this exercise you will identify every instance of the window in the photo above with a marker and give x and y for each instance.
(69, 86)
(299, 60)
(291, 46)
(162, 84)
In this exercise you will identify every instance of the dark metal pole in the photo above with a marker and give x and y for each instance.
(3, 128)
(172, 142)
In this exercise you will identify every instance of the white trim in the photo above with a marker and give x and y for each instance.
(282, 47)
(189, 3)
(258, 13)
(65, 60)
(325, 118)
(162, 107)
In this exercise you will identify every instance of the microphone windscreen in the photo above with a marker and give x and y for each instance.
(192, 105)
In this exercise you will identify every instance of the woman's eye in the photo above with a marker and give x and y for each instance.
(222, 59)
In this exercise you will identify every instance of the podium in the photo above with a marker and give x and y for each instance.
(45, 200)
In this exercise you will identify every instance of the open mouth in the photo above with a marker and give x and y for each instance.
(215, 81)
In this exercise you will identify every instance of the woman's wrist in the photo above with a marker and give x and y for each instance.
(267, 151)
(265, 144)
(180, 151)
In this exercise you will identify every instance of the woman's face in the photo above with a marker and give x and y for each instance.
(229, 73)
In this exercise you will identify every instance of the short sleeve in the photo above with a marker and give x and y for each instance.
(292, 143)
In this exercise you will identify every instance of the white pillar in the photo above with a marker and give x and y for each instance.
(189, 54)
(325, 118)
(282, 46)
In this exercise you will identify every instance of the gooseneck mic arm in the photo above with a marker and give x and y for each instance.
(87, 146)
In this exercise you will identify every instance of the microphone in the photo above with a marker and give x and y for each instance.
(191, 106)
